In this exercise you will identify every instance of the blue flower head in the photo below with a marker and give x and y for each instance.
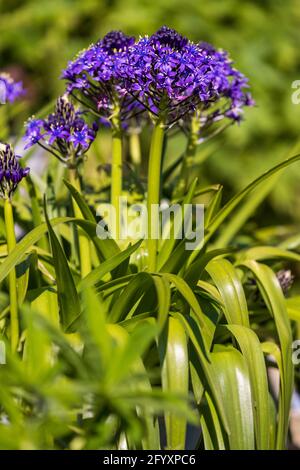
(64, 132)
(9, 89)
(94, 77)
(173, 77)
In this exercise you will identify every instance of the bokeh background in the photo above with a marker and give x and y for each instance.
(263, 36)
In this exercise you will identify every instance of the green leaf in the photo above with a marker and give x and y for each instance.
(251, 350)
(107, 247)
(131, 349)
(163, 292)
(177, 259)
(232, 374)
(83, 206)
(268, 252)
(271, 292)
(213, 206)
(174, 230)
(132, 293)
(195, 270)
(228, 208)
(234, 202)
(231, 290)
(211, 427)
(175, 378)
(106, 267)
(246, 211)
(187, 293)
(68, 300)
(27, 242)
(293, 308)
(207, 373)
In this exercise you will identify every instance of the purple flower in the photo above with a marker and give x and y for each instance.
(173, 77)
(11, 173)
(81, 136)
(9, 89)
(95, 78)
(166, 74)
(64, 132)
(33, 132)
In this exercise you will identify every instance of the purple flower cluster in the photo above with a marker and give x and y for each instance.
(94, 76)
(11, 173)
(173, 77)
(9, 89)
(64, 132)
(165, 74)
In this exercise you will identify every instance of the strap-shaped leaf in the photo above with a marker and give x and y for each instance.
(213, 206)
(228, 208)
(106, 267)
(171, 238)
(195, 270)
(232, 374)
(163, 292)
(175, 378)
(130, 296)
(16, 255)
(293, 308)
(68, 300)
(234, 202)
(187, 294)
(231, 290)
(271, 292)
(207, 374)
(268, 252)
(251, 350)
(211, 427)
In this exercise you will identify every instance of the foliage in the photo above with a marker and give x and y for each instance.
(124, 344)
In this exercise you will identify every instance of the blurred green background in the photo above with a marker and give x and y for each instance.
(263, 36)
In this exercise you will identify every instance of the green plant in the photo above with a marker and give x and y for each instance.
(140, 338)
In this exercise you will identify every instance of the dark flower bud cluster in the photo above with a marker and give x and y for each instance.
(11, 173)
(64, 132)
(94, 78)
(9, 89)
(286, 279)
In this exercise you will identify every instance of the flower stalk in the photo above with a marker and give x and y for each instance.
(189, 157)
(153, 197)
(12, 278)
(83, 241)
(116, 172)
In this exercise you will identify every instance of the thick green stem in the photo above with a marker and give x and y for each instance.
(116, 176)
(153, 199)
(188, 159)
(83, 241)
(12, 278)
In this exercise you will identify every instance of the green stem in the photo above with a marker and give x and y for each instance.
(135, 148)
(154, 178)
(116, 176)
(188, 159)
(83, 241)
(35, 210)
(12, 278)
